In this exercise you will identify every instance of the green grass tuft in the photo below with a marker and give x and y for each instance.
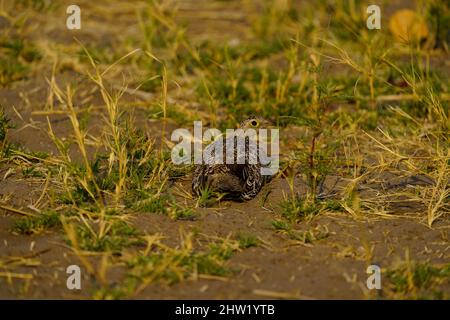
(37, 224)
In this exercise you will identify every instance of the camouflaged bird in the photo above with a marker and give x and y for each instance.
(240, 180)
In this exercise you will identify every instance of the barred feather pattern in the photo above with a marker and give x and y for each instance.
(241, 180)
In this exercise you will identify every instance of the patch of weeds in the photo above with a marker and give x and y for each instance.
(296, 208)
(438, 14)
(158, 28)
(231, 93)
(266, 48)
(38, 154)
(118, 234)
(147, 201)
(38, 5)
(207, 197)
(32, 172)
(223, 249)
(270, 23)
(247, 240)
(101, 55)
(304, 237)
(4, 126)
(15, 57)
(363, 119)
(311, 235)
(152, 202)
(77, 193)
(173, 112)
(20, 48)
(172, 265)
(37, 224)
(11, 71)
(419, 281)
(248, 90)
(346, 20)
(139, 164)
(281, 225)
(208, 264)
(333, 205)
(116, 291)
(178, 212)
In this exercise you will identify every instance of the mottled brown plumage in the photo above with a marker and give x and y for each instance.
(236, 181)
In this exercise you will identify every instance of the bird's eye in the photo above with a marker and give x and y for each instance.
(254, 123)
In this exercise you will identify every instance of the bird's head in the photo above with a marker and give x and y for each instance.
(255, 122)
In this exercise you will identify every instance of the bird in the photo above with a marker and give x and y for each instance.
(241, 180)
